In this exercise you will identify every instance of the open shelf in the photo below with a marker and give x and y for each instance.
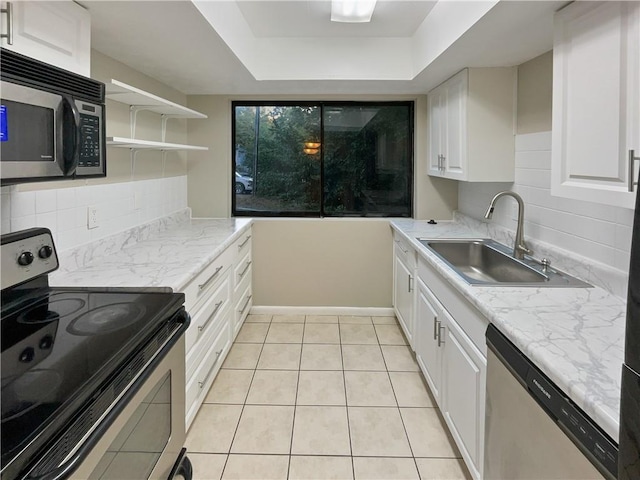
(136, 144)
(123, 93)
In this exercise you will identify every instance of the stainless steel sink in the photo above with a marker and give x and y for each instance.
(486, 262)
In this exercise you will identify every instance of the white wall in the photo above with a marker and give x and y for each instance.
(599, 232)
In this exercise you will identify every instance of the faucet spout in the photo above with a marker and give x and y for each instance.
(519, 245)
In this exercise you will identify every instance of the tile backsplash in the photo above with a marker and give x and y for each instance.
(600, 233)
(64, 211)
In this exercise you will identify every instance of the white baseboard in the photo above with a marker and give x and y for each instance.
(355, 311)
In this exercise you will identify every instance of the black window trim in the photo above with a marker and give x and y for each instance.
(322, 104)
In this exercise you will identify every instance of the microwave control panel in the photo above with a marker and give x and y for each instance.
(90, 154)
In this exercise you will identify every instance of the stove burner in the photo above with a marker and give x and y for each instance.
(25, 392)
(50, 310)
(106, 319)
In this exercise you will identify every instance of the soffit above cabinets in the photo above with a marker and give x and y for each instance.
(292, 47)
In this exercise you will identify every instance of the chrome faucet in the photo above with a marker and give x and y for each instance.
(519, 247)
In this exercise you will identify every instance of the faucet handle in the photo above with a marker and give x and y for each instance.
(522, 247)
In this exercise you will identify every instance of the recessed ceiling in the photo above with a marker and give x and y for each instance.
(313, 19)
(255, 47)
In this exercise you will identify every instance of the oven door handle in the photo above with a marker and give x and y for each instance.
(64, 471)
(71, 159)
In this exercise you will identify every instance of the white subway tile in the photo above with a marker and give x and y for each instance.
(48, 220)
(83, 196)
(5, 206)
(533, 177)
(23, 204)
(624, 216)
(46, 201)
(533, 141)
(622, 260)
(534, 159)
(66, 198)
(623, 238)
(20, 223)
(66, 220)
(5, 225)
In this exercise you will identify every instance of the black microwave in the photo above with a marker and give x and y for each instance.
(52, 122)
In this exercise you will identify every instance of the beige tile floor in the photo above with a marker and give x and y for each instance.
(321, 397)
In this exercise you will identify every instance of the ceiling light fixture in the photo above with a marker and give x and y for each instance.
(352, 11)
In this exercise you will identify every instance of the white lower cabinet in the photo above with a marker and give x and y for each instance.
(452, 361)
(218, 300)
(404, 262)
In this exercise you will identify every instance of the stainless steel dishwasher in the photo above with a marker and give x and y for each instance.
(532, 429)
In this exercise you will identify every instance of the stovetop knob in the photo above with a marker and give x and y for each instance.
(45, 251)
(25, 258)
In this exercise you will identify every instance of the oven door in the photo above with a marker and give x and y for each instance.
(146, 439)
(39, 134)
(140, 437)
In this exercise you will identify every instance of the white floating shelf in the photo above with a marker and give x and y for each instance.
(134, 143)
(123, 93)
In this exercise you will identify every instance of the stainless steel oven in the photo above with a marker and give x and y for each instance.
(52, 122)
(93, 379)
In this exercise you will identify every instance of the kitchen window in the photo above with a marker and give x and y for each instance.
(322, 159)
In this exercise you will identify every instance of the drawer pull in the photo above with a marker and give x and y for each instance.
(410, 286)
(203, 382)
(202, 286)
(241, 274)
(435, 328)
(213, 314)
(245, 304)
(245, 242)
(400, 247)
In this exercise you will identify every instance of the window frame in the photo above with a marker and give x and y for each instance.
(410, 104)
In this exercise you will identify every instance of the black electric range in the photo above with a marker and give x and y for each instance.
(63, 348)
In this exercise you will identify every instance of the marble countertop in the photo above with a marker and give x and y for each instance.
(170, 258)
(574, 335)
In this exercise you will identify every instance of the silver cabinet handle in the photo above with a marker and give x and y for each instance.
(410, 286)
(245, 304)
(435, 328)
(241, 274)
(632, 160)
(213, 314)
(245, 242)
(440, 329)
(9, 35)
(442, 164)
(204, 381)
(439, 160)
(204, 285)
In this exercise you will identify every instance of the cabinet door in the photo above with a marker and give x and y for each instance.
(456, 127)
(464, 378)
(436, 110)
(596, 102)
(55, 32)
(428, 327)
(403, 297)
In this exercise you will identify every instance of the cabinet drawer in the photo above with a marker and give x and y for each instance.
(206, 281)
(472, 322)
(199, 383)
(404, 251)
(209, 316)
(241, 310)
(242, 245)
(242, 274)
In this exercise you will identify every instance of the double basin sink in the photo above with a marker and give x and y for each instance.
(485, 262)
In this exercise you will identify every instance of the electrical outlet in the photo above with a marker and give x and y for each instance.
(92, 217)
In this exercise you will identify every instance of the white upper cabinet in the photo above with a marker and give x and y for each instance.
(596, 102)
(471, 126)
(56, 32)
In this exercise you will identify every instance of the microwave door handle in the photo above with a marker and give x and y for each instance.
(71, 164)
